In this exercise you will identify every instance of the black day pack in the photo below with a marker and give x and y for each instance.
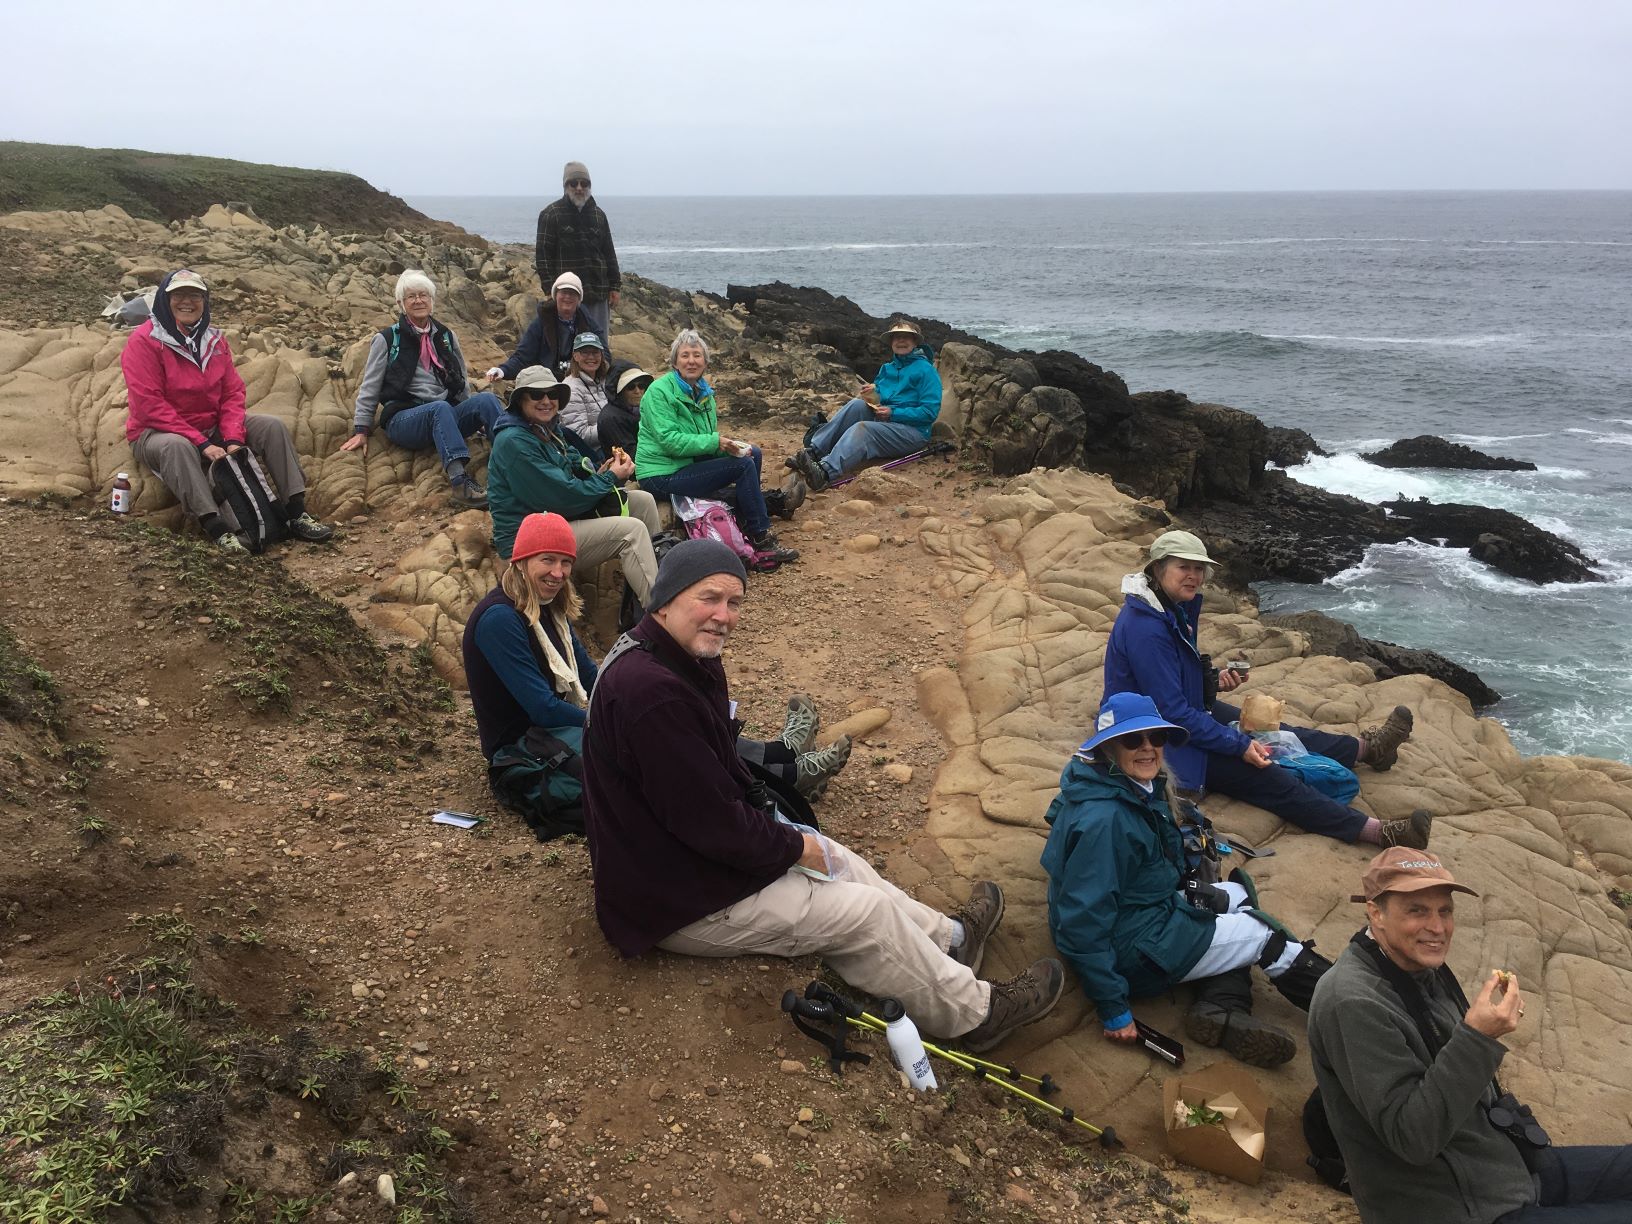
(242, 486)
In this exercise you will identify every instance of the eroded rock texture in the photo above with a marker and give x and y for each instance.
(1543, 840)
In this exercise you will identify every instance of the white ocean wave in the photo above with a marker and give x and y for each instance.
(1604, 439)
(1437, 341)
(779, 250)
(1490, 439)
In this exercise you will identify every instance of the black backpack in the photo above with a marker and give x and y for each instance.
(242, 485)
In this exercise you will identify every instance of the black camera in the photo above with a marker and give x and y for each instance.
(1517, 1122)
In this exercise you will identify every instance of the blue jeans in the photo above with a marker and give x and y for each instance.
(855, 437)
(1280, 790)
(1580, 1185)
(711, 478)
(444, 425)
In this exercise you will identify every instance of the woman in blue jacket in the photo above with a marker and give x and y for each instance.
(1153, 651)
(909, 399)
(1117, 903)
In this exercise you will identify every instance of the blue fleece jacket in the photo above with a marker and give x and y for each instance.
(911, 389)
(1153, 651)
(1115, 860)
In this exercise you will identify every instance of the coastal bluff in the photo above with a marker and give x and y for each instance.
(1068, 477)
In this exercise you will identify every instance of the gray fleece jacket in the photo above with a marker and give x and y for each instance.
(1411, 1126)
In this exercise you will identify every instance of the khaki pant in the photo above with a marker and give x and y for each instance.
(874, 936)
(601, 539)
(180, 467)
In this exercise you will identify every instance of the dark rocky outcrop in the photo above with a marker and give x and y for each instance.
(1290, 447)
(1499, 538)
(1328, 635)
(1427, 451)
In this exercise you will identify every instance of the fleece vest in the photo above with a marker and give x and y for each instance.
(402, 358)
(500, 718)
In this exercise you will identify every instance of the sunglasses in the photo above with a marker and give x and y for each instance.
(1156, 739)
(534, 394)
(577, 182)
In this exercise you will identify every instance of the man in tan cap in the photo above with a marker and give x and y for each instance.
(1407, 1074)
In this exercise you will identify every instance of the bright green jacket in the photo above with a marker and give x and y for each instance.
(676, 428)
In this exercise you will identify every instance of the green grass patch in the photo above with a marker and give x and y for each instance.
(28, 694)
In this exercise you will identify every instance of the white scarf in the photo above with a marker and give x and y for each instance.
(563, 672)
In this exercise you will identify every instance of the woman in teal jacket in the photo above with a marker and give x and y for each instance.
(538, 466)
(1119, 910)
(909, 399)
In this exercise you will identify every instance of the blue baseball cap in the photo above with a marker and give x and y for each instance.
(1125, 713)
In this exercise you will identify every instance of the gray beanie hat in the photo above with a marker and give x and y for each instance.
(687, 564)
(573, 170)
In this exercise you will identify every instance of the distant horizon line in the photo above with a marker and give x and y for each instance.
(1029, 195)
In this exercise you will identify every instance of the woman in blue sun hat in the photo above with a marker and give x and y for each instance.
(1117, 903)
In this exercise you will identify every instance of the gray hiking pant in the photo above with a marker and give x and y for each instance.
(181, 468)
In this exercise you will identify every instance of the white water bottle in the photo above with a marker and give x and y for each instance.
(907, 1046)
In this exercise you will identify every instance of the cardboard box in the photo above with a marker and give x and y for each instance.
(1218, 1149)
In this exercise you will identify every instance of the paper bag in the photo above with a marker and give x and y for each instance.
(1235, 1148)
(1261, 712)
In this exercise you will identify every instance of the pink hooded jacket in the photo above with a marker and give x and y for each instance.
(169, 392)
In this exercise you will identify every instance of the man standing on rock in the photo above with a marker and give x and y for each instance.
(573, 236)
(1407, 1074)
(689, 857)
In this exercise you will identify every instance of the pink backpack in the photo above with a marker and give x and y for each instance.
(713, 520)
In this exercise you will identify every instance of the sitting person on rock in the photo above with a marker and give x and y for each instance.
(1129, 917)
(619, 423)
(549, 339)
(530, 679)
(908, 391)
(187, 410)
(1407, 1073)
(586, 379)
(687, 860)
(539, 465)
(415, 376)
(1152, 650)
(682, 451)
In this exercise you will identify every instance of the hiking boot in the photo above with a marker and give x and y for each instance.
(310, 529)
(228, 542)
(1016, 1003)
(1411, 831)
(1242, 1035)
(980, 916)
(1298, 980)
(799, 727)
(791, 495)
(1382, 742)
(467, 493)
(813, 769)
(810, 467)
(767, 544)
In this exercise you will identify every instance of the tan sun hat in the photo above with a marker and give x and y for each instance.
(186, 278)
(1180, 544)
(632, 374)
(904, 327)
(1402, 870)
(540, 378)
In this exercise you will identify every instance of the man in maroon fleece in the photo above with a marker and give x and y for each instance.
(686, 862)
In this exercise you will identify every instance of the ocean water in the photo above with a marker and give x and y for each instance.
(1499, 319)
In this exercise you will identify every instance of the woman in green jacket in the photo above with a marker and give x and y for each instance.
(683, 453)
(537, 466)
(1128, 915)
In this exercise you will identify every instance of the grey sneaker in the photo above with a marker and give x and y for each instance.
(813, 769)
(1383, 741)
(810, 467)
(794, 492)
(1241, 1034)
(799, 728)
(228, 542)
(1411, 832)
(468, 493)
(1017, 1002)
(980, 916)
(310, 529)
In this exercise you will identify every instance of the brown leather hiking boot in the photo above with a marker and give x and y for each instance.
(1382, 742)
(1016, 1003)
(980, 916)
(1411, 832)
(1240, 1033)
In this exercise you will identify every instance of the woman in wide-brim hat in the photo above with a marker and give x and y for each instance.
(1117, 905)
(1153, 649)
(908, 394)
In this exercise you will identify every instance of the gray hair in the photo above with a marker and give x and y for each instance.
(413, 278)
(688, 338)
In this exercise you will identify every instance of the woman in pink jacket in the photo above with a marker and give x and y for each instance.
(187, 411)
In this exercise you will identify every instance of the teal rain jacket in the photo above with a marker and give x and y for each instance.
(911, 388)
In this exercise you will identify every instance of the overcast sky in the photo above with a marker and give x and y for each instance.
(700, 97)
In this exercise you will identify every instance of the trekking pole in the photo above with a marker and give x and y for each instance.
(827, 1003)
(934, 448)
